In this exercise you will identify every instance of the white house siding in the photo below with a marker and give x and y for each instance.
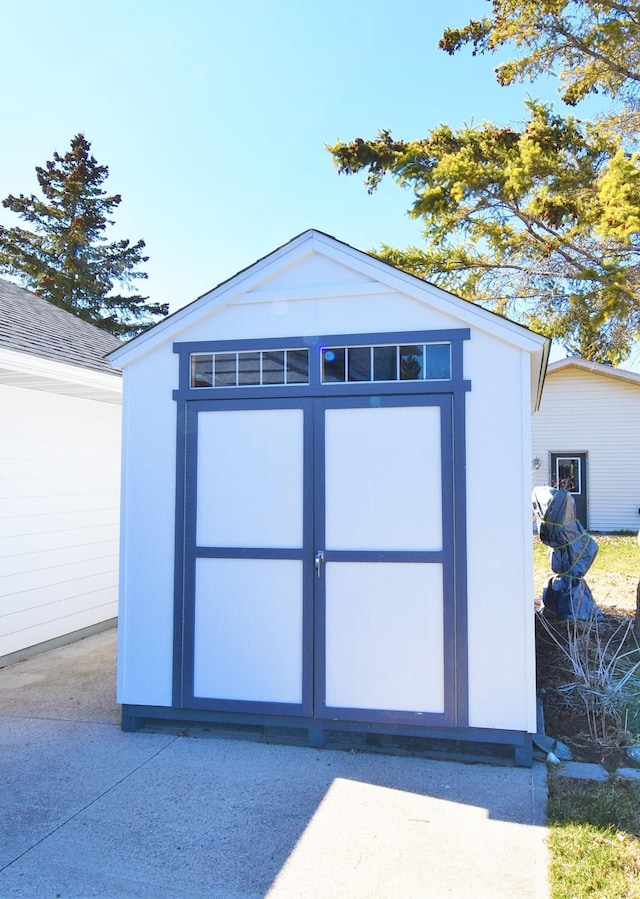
(498, 458)
(587, 412)
(59, 513)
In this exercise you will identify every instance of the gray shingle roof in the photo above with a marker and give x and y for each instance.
(32, 325)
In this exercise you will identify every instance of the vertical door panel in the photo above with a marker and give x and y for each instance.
(248, 630)
(383, 478)
(250, 478)
(384, 635)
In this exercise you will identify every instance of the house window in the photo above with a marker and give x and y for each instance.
(568, 474)
(250, 369)
(411, 362)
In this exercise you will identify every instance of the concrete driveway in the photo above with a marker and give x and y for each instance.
(90, 811)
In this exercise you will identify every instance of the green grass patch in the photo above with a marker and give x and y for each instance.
(594, 839)
(616, 555)
(613, 803)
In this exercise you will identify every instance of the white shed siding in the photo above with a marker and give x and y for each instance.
(587, 412)
(149, 423)
(498, 452)
(148, 530)
(500, 585)
(59, 489)
(344, 315)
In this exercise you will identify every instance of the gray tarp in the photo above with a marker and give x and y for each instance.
(571, 553)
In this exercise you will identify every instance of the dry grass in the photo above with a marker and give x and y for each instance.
(613, 577)
(602, 661)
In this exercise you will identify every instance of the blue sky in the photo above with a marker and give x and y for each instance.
(213, 116)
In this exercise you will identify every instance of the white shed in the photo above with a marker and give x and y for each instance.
(326, 506)
(60, 405)
(587, 436)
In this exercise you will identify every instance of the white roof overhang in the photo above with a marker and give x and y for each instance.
(26, 370)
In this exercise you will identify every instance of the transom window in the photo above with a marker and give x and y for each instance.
(253, 368)
(399, 362)
(422, 361)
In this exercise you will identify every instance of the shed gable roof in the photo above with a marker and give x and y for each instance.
(30, 324)
(352, 272)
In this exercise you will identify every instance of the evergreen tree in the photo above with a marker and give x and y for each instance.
(541, 222)
(64, 255)
(593, 46)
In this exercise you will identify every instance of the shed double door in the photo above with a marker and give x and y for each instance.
(319, 564)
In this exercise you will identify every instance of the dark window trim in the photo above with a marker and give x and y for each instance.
(316, 387)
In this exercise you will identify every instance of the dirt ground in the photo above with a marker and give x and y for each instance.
(564, 717)
(610, 591)
(615, 595)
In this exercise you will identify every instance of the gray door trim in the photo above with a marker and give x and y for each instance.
(450, 394)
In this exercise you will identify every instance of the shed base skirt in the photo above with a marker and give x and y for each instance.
(466, 743)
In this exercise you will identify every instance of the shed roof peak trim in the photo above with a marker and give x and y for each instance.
(383, 278)
(322, 292)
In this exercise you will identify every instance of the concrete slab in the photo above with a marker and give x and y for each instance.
(425, 838)
(90, 811)
(51, 772)
(76, 682)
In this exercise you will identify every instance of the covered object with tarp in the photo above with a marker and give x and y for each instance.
(571, 554)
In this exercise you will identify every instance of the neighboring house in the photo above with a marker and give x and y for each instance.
(60, 410)
(586, 437)
(326, 506)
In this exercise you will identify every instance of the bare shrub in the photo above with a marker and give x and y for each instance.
(603, 675)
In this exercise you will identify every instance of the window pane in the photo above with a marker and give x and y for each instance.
(333, 365)
(273, 367)
(438, 362)
(297, 366)
(568, 474)
(202, 370)
(225, 369)
(359, 363)
(248, 368)
(411, 363)
(385, 363)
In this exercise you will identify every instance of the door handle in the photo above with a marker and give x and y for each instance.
(318, 562)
